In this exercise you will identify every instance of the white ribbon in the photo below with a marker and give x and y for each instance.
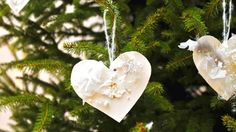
(226, 21)
(110, 45)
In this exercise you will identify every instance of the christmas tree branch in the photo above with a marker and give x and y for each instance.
(136, 42)
(212, 8)
(89, 48)
(24, 99)
(230, 123)
(53, 66)
(192, 19)
(44, 117)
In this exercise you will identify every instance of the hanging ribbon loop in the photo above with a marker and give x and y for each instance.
(110, 42)
(226, 21)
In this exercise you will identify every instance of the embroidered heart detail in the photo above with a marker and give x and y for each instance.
(216, 63)
(114, 90)
(17, 5)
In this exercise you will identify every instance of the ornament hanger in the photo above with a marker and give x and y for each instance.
(110, 42)
(226, 21)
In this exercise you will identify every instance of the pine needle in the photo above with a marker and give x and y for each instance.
(89, 48)
(136, 42)
(154, 88)
(212, 8)
(178, 61)
(192, 19)
(24, 99)
(52, 66)
(44, 117)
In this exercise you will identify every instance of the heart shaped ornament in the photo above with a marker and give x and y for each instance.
(114, 90)
(17, 5)
(216, 63)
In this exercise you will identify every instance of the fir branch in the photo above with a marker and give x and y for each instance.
(153, 94)
(81, 110)
(136, 43)
(164, 46)
(216, 103)
(89, 48)
(53, 66)
(6, 79)
(44, 117)
(57, 21)
(49, 88)
(192, 19)
(24, 99)
(162, 103)
(212, 8)
(154, 88)
(229, 122)
(174, 3)
(5, 90)
(179, 60)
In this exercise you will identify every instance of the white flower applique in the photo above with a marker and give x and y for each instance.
(190, 44)
(121, 74)
(218, 72)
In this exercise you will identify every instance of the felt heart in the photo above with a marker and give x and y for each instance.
(17, 5)
(114, 90)
(216, 63)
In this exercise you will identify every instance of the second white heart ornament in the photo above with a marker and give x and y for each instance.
(17, 5)
(114, 90)
(216, 63)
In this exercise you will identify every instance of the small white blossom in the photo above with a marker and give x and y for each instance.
(190, 44)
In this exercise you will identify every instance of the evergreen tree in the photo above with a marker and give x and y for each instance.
(173, 100)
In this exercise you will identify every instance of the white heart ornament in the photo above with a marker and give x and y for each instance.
(216, 63)
(17, 5)
(114, 90)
